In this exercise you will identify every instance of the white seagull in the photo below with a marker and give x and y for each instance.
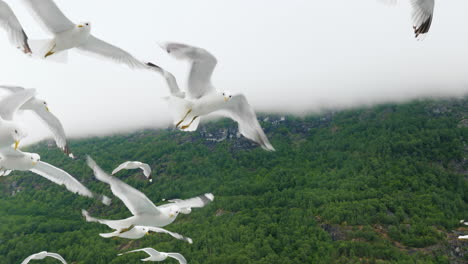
(155, 255)
(11, 132)
(145, 212)
(204, 99)
(43, 255)
(129, 165)
(68, 35)
(41, 109)
(11, 160)
(138, 232)
(9, 22)
(422, 14)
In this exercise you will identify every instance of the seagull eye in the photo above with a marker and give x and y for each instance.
(223, 93)
(16, 131)
(87, 24)
(230, 96)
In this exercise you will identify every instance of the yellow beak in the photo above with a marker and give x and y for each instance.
(226, 99)
(171, 215)
(47, 108)
(80, 26)
(34, 163)
(16, 144)
(147, 233)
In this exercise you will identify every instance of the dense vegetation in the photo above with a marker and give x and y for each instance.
(385, 184)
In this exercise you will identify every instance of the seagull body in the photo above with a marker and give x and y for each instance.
(41, 109)
(43, 255)
(130, 165)
(203, 99)
(145, 212)
(10, 131)
(155, 255)
(9, 22)
(138, 232)
(68, 35)
(11, 159)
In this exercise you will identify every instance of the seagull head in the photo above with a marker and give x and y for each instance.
(34, 157)
(227, 96)
(84, 25)
(174, 211)
(17, 133)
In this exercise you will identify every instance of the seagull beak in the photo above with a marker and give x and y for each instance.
(47, 108)
(80, 26)
(171, 215)
(16, 144)
(226, 99)
(147, 233)
(34, 162)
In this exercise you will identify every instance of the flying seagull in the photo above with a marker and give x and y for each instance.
(145, 212)
(203, 99)
(43, 255)
(68, 35)
(41, 109)
(9, 22)
(138, 232)
(10, 131)
(155, 255)
(129, 165)
(11, 160)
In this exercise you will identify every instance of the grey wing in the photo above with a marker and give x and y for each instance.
(146, 169)
(9, 22)
(55, 126)
(195, 202)
(203, 64)
(175, 235)
(240, 110)
(108, 51)
(133, 199)
(12, 88)
(422, 15)
(178, 256)
(26, 261)
(120, 167)
(149, 251)
(170, 80)
(57, 256)
(49, 15)
(11, 103)
(61, 177)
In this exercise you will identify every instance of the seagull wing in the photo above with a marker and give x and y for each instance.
(9, 22)
(170, 79)
(195, 202)
(175, 235)
(11, 88)
(203, 64)
(135, 200)
(26, 261)
(56, 256)
(49, 15)
(120, 167)
(422, 15)
(178, 256)
(146, 169)
(61, 177)
(149, 251)
(55, 127)
(108, 51)
(11, 103)
(240, 110)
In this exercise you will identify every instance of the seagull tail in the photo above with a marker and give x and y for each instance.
(42, 47)
(108, 235)
(88, 217)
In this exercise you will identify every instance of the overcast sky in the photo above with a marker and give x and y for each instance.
(295, 56)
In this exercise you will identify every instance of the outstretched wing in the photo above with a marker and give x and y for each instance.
(49, 15)
(195, 202)
(11, 103)
(56, 256)
(55, 127)
(120, 167)
(9, 22)
(422, 16)
(108, 51)
(170, 80)
(203, 64)
(135, 200)
(178, 256)
(26, 261)
(149, 251)
(61, 177)
(240, 111)
(175, 235)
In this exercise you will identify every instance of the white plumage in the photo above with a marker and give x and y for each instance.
(155, 255)
(43, 255)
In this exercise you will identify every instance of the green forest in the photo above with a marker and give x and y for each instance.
(381, 184)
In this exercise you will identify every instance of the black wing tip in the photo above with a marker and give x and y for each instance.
(423, 28)
(207, 198)
(153, 65)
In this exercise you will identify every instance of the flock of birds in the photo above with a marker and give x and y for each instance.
(199, 99)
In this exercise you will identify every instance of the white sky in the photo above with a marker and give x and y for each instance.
(295, 56)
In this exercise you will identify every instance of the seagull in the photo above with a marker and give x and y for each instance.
(9, 22)
(43, 255)
(158, 256)
(41, 109)
(11, 132)
(145, 212)
(463, 237)
(203, 99)
(68, 35)
(129, 165)
(138, 232)
(11, 159)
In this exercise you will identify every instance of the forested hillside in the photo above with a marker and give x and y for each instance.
(386, 184)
